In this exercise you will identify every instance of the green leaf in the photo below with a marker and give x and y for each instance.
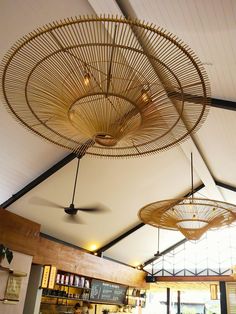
(2, 250)
(9, 255)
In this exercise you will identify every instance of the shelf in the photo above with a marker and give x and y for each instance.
(64, 298)
(71, 286)
(6, 269)
(13, 272)
(75, 299)
(134, 297)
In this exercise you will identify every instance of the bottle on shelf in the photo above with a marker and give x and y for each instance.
(71, 281)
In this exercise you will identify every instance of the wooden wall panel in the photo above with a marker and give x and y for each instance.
(194, 278)
(73, 260)
(18, 233)
(22, 235)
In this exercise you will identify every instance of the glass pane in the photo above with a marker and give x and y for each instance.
(215, 251)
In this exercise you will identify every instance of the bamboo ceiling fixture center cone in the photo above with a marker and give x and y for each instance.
(125, 87)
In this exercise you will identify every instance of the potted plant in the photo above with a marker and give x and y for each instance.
(5, 253)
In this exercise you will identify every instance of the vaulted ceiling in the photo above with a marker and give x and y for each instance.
(122, 186)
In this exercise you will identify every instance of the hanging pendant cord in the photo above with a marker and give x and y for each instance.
(192, 173)
(76, 175)
(158, 240)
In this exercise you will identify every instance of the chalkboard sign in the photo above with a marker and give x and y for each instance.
(106, 292)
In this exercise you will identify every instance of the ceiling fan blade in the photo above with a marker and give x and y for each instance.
(36, 200)
(96, 210)
(73, 219)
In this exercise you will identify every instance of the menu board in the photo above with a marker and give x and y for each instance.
(106, 292)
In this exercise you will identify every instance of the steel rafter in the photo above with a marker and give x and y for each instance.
(38, 180)
(226, 186)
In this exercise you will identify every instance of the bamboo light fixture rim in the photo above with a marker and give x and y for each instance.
(151, 93)
(164, 214)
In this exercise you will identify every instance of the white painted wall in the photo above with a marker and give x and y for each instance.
(22, 263)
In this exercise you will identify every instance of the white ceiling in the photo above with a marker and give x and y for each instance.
(147, 246)
(218, 145)
(122, 187)
(208, 27)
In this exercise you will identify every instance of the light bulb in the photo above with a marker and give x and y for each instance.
(71, 114)
(86, 79)
(144, 95)
(93, 247)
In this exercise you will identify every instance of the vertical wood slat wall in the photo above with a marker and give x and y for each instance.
(231, 297)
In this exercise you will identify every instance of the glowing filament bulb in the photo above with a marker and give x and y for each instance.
(144, 95)
(71, 114)
(86, 79)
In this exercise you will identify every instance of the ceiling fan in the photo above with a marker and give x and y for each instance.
(71, 210)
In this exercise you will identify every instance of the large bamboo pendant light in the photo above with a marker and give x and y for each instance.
(190, 215)
(124, 87)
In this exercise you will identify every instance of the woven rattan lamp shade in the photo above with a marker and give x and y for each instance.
(191, 216)
(124, 87)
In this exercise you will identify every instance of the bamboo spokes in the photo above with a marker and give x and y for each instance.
(191, 216)
(127, 87)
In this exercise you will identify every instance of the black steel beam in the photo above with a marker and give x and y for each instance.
(127, 233)
(38, 180)
(116, 240)
(225, 186)
(201, 186)
(223, 104)
(128, 11)
(217, 103)
(46, 236)
(169, 249)
(116, 261)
